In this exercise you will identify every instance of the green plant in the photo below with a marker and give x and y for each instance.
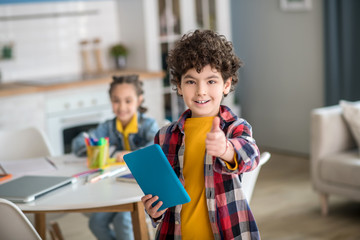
(119, 50)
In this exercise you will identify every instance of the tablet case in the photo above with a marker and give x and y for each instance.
(28, 188)
(155, 176)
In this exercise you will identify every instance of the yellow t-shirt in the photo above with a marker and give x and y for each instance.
(195, 223)
(132, 127)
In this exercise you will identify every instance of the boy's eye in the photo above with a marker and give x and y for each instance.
(211, 81)
(190, 82)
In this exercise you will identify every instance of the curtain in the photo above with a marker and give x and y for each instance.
(342, 50)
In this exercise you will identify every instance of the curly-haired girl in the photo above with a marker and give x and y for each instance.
(209, 147)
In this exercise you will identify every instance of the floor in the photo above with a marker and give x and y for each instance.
(284, 205)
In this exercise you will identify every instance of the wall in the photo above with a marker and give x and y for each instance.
(282, 79)
(46, 36)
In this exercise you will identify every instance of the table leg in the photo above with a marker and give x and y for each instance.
(139, 223)
(40, 224)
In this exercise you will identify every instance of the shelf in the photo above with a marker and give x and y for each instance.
(49, 15)
(170, 38)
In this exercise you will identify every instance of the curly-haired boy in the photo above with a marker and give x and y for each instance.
(209, 147)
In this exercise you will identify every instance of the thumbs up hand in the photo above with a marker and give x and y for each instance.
(215, 140)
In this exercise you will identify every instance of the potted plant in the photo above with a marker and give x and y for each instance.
(119, 52)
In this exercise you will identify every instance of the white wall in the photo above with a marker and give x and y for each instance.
(49, 46)
(282, 79)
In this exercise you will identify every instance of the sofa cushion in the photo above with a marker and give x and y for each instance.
(341, 168)
(351, 113)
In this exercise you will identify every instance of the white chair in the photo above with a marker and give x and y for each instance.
(23, 143)
(249, 178)
(14, 224)
(28, 143)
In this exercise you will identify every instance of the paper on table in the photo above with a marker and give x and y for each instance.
(17, 168)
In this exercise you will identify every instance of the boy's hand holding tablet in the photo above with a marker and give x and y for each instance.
(157, 179)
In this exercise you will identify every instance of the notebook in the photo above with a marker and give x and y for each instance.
(126, 178)
(28, 188)
(155, 176)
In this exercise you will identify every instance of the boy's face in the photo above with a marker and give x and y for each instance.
(203, 92)
(125, 102)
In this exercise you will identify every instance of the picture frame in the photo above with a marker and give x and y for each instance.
(296, 5)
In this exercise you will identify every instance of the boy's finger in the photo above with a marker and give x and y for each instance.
(216, 125)
(146, 197)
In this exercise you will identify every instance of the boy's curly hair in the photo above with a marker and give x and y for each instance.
(200, 48)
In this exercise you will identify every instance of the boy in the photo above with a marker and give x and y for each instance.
(208, 147)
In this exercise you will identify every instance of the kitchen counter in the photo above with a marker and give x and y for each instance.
(26, 87)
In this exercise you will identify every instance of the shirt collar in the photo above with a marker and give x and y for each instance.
(132, 127)
(225, 114)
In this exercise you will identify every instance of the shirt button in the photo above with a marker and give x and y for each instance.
(177, 222)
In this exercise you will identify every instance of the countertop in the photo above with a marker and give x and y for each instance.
(26, 87)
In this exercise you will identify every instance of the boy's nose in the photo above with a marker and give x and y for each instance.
(201, 90)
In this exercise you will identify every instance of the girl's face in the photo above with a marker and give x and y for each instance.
(125, 102)
(203, 92)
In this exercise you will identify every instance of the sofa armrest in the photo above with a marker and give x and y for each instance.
(329, 132)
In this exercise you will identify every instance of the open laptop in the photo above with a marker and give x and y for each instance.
(28, 188)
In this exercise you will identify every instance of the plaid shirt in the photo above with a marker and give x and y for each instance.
(229, 212)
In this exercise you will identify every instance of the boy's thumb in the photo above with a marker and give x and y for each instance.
(216, 125)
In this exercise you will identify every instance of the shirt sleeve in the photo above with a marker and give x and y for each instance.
(247, 152)
(151, 131)
(229, 166)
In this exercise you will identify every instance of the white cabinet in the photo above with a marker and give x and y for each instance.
(151, 27)
(22, 111)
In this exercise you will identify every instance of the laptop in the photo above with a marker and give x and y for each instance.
(27, 188)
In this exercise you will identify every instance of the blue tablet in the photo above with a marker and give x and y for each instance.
(155, 176)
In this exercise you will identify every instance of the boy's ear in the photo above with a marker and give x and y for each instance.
(227, 86)
(179, 91)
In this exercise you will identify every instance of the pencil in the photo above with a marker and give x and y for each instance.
(108, 174)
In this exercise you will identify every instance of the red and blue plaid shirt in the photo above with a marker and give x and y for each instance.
(229, 212)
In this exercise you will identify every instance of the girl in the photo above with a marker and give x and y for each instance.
(128, 131)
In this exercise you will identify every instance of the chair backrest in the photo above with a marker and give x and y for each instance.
(23, 143)
(249, 178)
(14, 224)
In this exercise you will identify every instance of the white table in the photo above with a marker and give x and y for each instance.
(107, 195)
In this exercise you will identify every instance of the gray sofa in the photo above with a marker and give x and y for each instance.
(335, 158)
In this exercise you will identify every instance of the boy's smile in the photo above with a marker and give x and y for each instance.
(203, 92)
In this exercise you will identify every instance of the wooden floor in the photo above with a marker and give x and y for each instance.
(284, 205)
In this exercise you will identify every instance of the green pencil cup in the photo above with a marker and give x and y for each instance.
(97, 156)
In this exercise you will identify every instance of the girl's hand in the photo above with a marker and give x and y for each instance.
(148, 200)
(120, 156)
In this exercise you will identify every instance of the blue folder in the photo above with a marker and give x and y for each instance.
(155, 176)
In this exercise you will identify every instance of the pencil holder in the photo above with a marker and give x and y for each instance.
(97, 156)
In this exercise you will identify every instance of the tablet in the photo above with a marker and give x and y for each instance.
(155, 176)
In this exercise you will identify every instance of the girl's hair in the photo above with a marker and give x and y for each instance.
(200, 48)
(130, 79)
